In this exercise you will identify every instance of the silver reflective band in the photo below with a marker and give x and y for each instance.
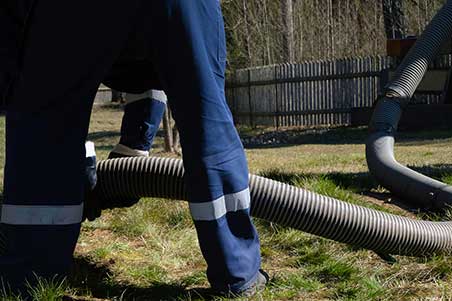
(90, 149)
(210, 211)
(157, 95)
(238, 201)
(42, 215)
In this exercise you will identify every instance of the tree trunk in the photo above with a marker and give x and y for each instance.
(288, 30)
(247, 33)
(169, 145)
(176, 141)
(394, 19)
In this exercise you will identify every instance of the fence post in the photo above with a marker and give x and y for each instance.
(384, 78)
(249, 99)
(275, 78)
(234, 99)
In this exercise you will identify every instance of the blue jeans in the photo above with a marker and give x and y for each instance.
(44, 188)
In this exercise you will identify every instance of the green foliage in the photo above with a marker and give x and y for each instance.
(297, 282)
(7, 295)
(138, 220)
(48, 290)
(333, 271)
(196, 278)
(440, 267)
(146, 274)
(447, 178)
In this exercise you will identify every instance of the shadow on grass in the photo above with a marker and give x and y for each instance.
(103, 134)
(95, 279)
(104, 148)
(110, 106)
(357, 182)
(114, 134)
(281, 138)
(255, 139)
(363, 182)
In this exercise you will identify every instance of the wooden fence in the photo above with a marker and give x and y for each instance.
(311, 93)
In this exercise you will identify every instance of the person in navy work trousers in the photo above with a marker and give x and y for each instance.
(143, 114)
(66, 50)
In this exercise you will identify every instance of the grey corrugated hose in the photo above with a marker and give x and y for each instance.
(285, 205)
(321, 215)
(410, 186)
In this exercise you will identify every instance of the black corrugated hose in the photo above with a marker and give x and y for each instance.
(411, 186)
(285, 205)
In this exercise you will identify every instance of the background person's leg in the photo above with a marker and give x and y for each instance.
(69, 47)
(190, 57)
(143, 114)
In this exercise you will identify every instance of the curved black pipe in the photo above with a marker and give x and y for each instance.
(411, 186)
(286, 205)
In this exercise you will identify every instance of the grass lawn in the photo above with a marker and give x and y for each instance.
(150, 251)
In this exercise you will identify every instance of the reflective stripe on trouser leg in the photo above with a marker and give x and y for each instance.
(46, 132)
(142, 119)
(157, 95)
(190, 58)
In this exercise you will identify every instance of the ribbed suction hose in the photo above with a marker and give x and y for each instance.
(411, 186)
(285, 205)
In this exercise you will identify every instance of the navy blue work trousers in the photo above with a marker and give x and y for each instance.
(68, 48)
(141, 120)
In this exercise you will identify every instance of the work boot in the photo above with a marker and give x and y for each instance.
(123, 151)
(257, 287)
(115, 155)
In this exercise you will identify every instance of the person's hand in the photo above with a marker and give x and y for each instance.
(94, 202)
(92, 207)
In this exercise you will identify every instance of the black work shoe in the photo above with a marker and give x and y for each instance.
(256, 287)
(123, 151)
(114, 155)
